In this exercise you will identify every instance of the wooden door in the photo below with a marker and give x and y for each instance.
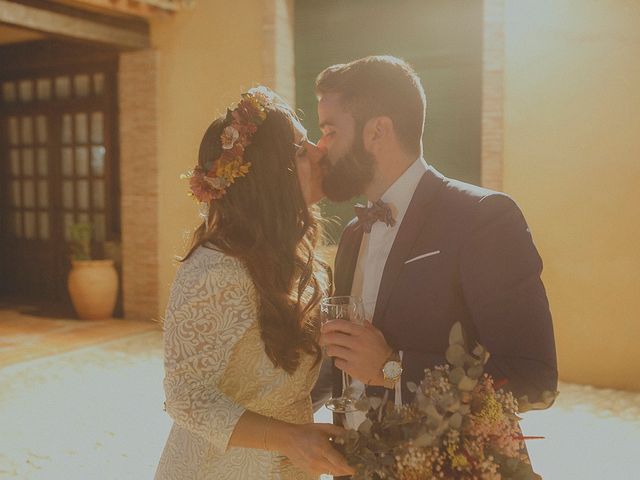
(58, 164)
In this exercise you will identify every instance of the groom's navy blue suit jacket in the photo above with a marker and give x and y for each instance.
(486, 275)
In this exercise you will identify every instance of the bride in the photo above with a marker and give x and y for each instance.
(241, 326)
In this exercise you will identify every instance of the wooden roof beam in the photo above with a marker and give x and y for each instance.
(145, 9)
(71, 27)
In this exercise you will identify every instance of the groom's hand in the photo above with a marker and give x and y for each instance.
(359, 350)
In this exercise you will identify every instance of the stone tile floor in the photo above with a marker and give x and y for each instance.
(95, 413)
(25, 336)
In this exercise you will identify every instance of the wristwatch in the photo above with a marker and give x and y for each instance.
(392, 371)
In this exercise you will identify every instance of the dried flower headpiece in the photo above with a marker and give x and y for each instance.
(211, 181)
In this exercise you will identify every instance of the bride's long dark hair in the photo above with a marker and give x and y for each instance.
(264, 221)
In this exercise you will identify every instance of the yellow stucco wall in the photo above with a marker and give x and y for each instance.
(571, 147)
(572, 161)
(207, 57)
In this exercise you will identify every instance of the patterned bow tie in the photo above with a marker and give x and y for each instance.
(379, 211)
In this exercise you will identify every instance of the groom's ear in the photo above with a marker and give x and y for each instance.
(377, 133)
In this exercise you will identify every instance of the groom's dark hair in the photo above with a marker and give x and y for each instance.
(380, 85)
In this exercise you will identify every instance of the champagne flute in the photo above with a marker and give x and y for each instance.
(342, 308)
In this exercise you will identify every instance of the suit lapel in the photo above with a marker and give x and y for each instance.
(412, 224)
(346, 258)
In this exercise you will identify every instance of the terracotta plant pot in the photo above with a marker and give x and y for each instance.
(93, 286)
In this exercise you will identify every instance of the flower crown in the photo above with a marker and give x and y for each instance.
(211, 181)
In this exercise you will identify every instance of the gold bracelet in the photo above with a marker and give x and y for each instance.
(264, 438)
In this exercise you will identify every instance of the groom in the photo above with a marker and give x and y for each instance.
(428, 251)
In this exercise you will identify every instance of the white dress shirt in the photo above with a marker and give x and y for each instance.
(374, 251)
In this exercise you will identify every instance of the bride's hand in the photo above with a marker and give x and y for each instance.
(309, 448)
(311, 170)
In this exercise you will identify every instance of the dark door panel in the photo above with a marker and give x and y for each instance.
(58, 164)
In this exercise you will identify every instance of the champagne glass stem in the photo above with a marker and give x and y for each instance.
(345, 384)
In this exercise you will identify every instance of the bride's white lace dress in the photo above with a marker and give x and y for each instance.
(215, 368)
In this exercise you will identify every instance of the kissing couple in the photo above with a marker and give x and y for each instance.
(247, 358)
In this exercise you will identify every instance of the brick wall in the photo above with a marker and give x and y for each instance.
(278, 48)
(137, 89)
(492, 95)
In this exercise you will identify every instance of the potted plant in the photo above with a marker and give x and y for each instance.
(93, 284)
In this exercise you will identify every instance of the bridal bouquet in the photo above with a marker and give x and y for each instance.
(460, 425)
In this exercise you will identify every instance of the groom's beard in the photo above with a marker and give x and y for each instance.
(350, 175)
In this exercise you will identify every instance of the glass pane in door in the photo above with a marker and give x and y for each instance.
(81, 127)
(43, 88)
(27, 161)
(81, 85)
(97, 126)
(25, 87)
(41, 129)
(9, 92)
(43, 167)
(14, 138)
(63, 87)
(14, 156)
(27, 130)
(97, 160)
(82, 161)
(29, 224)
(43, 194)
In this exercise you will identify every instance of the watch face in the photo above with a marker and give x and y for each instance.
(392, 369)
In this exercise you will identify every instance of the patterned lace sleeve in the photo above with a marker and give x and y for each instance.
(212, 303)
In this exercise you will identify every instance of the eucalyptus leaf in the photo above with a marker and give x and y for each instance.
(467, 384)
(546, 400)
(454, 406)
(456, 375)
(456, 355)
(487, 355)
(431, 412)
(455, 421)
(424, 440)
(475, 372)
(365, 427)
(447, 402)
(471, 361)
(432, 422)
(456, 336)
